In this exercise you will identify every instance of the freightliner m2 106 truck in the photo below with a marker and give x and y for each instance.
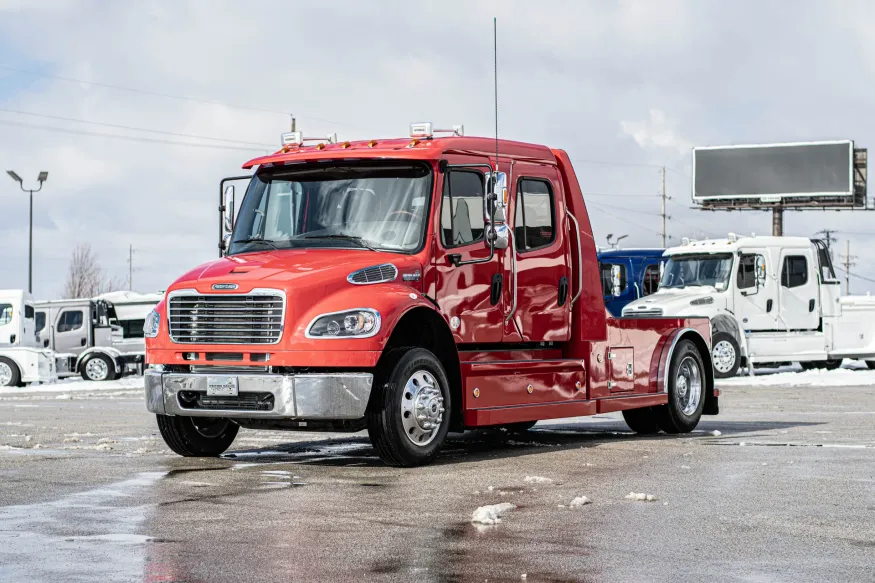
(770, 300)
(410, 287)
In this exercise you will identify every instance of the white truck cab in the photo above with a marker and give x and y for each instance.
(769, 299)
(22, 359)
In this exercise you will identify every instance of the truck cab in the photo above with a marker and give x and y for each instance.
(628, 275)
(769, 300)
(22, 360)
(410, 287)
(98, 338)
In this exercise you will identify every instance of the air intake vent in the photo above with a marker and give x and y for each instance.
(375, 274)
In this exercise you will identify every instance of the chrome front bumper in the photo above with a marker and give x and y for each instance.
(301, 396)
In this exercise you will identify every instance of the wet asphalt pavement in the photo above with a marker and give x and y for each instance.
(786, 492)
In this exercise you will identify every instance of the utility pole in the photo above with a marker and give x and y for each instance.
(131, 267)
(848, 264)
(828, 238)
(662, 171)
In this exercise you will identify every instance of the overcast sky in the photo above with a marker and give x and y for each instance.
(624, 87)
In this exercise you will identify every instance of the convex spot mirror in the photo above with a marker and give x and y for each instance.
(495, 210)
(616, 284)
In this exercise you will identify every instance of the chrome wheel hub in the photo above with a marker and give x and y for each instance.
(5, 374)
(422, 408)
(96, 369)
(723, 355)
(688, 385)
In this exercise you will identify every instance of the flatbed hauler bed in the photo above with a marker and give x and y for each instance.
(410, 287)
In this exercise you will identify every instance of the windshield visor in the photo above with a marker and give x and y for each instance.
(377, 205)
(691, 270)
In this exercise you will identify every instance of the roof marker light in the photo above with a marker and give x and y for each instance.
(372, 143)
(427, 131)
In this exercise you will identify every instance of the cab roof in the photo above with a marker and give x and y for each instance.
(406, 148)
(633, 252)
(732, 245)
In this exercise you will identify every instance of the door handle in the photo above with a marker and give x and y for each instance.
(768, 305)
(82, 343)
(810, 305)
(495, 291)
(563, 290)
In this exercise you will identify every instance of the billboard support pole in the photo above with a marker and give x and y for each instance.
(777, 221)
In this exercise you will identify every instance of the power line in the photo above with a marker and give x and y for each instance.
(625, 209)
(132, 128)
(131, 138)
(618, 195)
(854, 274)
(640, 226)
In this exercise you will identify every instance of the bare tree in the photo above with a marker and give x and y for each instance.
(85, 277)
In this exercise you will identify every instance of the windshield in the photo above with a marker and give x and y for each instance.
(689, 270)
(376, 205)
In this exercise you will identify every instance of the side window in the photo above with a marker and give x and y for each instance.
(795, 271)
(5, 314)
(70, 320)
(650, 282)
(746, 277)
(462, 209)
(28, 312)
(534, 225)
(40, 321)
(607, 284)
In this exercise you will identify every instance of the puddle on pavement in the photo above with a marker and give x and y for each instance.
(94, 530)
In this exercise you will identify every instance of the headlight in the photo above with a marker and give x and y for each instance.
(151, 325)
(359, 323)
(702, 301)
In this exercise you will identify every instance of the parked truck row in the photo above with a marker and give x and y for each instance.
(99, 338)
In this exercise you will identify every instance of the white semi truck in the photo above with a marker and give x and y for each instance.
(22, 358)
(769, 300)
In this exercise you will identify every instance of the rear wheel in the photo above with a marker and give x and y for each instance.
(641, 421)
(686, 391)
(407, 417)
(197, 436)
(97, 367)
(725, 355)
(10, 376)
(822, 364)
(871, 364)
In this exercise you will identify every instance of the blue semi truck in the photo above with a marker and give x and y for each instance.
(628, 274)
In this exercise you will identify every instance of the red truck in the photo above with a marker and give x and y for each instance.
(410, 287)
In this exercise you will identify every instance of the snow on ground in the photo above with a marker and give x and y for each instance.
(77, 384)
(492, 513)
(640, 497)
(852, 374)
(579, 501)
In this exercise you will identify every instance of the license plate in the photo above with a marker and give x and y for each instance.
(221, 386)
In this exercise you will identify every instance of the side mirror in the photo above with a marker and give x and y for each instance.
(229, 206)
(616, 284)
(495, 201)
(760, 270)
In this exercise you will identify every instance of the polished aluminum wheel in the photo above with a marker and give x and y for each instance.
(422, 408)
(5, 374)
(688, 385)
(96, 369)
(723, 354)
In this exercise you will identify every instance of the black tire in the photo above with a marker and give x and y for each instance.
(15, 377)
(642, 420)
(671, 418)
(197, 436)
(732, 370)
(870, 364)
(107, 362)
(520, 427)
(386, 415)
(822, 364)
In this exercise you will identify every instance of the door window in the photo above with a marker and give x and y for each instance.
(607, 284)
(69, 321)
(650, 283)
(462, 209)
(40, 321)
(794, 273)
(747, 277)
(534, 220)
(5, 314)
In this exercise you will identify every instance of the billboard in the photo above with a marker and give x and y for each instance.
(795, 174)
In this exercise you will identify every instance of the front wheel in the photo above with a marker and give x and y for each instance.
(10, 376)
(197, 436)
(725, 355)
(408, 417)
(822, 364)
(686, 391)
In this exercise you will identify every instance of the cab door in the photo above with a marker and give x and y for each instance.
(754, 304)
(468, 294)
(798, 290)
(71, 329)
(540, 286)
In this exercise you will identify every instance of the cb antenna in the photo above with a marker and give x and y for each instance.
(495, 71)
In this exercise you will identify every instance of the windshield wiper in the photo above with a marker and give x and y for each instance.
(352, 238)
(267, 242)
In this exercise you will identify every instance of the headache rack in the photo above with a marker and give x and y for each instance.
(253, 318)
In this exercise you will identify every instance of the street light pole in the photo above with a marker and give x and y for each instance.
(43, 176)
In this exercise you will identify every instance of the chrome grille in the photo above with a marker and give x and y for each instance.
(255, 318)
(645, 313)
(375, 274)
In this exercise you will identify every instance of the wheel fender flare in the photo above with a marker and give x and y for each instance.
(728, 324)
(669, 342)
(112, 353)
